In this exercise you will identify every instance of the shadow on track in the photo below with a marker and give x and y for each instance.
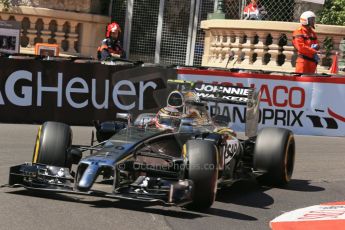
(247, 193)
(251, 194)
(133, 206)
(229, 214)
(303, 186)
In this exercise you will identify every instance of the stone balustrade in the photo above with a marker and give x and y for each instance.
(265, 45)
(76, 34)
(84, 6)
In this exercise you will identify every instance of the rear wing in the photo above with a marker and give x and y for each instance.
(223, 94)
(215, 92)
(226, 94)
(233, 95)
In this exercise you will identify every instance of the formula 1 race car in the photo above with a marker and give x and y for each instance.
(179, 156)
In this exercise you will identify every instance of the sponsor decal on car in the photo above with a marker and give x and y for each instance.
(231, 149)
(225, 93)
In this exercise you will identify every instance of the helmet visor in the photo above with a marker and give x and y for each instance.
(175, 100)
(311, 22)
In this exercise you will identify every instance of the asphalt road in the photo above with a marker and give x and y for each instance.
(318, 177)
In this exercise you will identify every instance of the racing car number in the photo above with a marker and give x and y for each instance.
(231, 149)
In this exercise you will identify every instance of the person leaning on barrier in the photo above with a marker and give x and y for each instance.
(111, 45)
(306, 43)
(254, 11)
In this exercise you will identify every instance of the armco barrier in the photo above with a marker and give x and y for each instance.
(310, 105)
(34, 91)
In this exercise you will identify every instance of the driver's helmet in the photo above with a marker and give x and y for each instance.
(175, 100)
(168, 118)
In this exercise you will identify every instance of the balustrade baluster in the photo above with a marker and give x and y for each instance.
(72, 37)
(32, 31)
(225, 43)
(248, 49)
(46, 33)
(288, 51)
(260, 48)
(60, 33)
(273, 49)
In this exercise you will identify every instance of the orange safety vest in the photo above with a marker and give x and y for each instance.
(303, 38)
(111, 47)
(110, 50)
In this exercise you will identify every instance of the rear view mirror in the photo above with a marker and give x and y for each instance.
(107, 129)
(124, 116)
(145, 119)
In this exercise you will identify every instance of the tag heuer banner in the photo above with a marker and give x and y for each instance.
(77, 93)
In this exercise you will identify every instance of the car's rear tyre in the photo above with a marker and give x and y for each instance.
(274, 153)
(52, 142)
(203, 171)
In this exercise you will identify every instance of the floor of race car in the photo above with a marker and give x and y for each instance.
(318, 178)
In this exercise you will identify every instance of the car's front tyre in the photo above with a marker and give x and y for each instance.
(52, 143)
(274, 154)
(202, 169)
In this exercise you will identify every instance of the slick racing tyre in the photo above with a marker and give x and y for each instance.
(274, 154)
(52, 142)
(203, 171)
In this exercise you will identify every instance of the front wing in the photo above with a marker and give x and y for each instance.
(56, 179)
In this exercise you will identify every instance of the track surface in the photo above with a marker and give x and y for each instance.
(318, 177)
